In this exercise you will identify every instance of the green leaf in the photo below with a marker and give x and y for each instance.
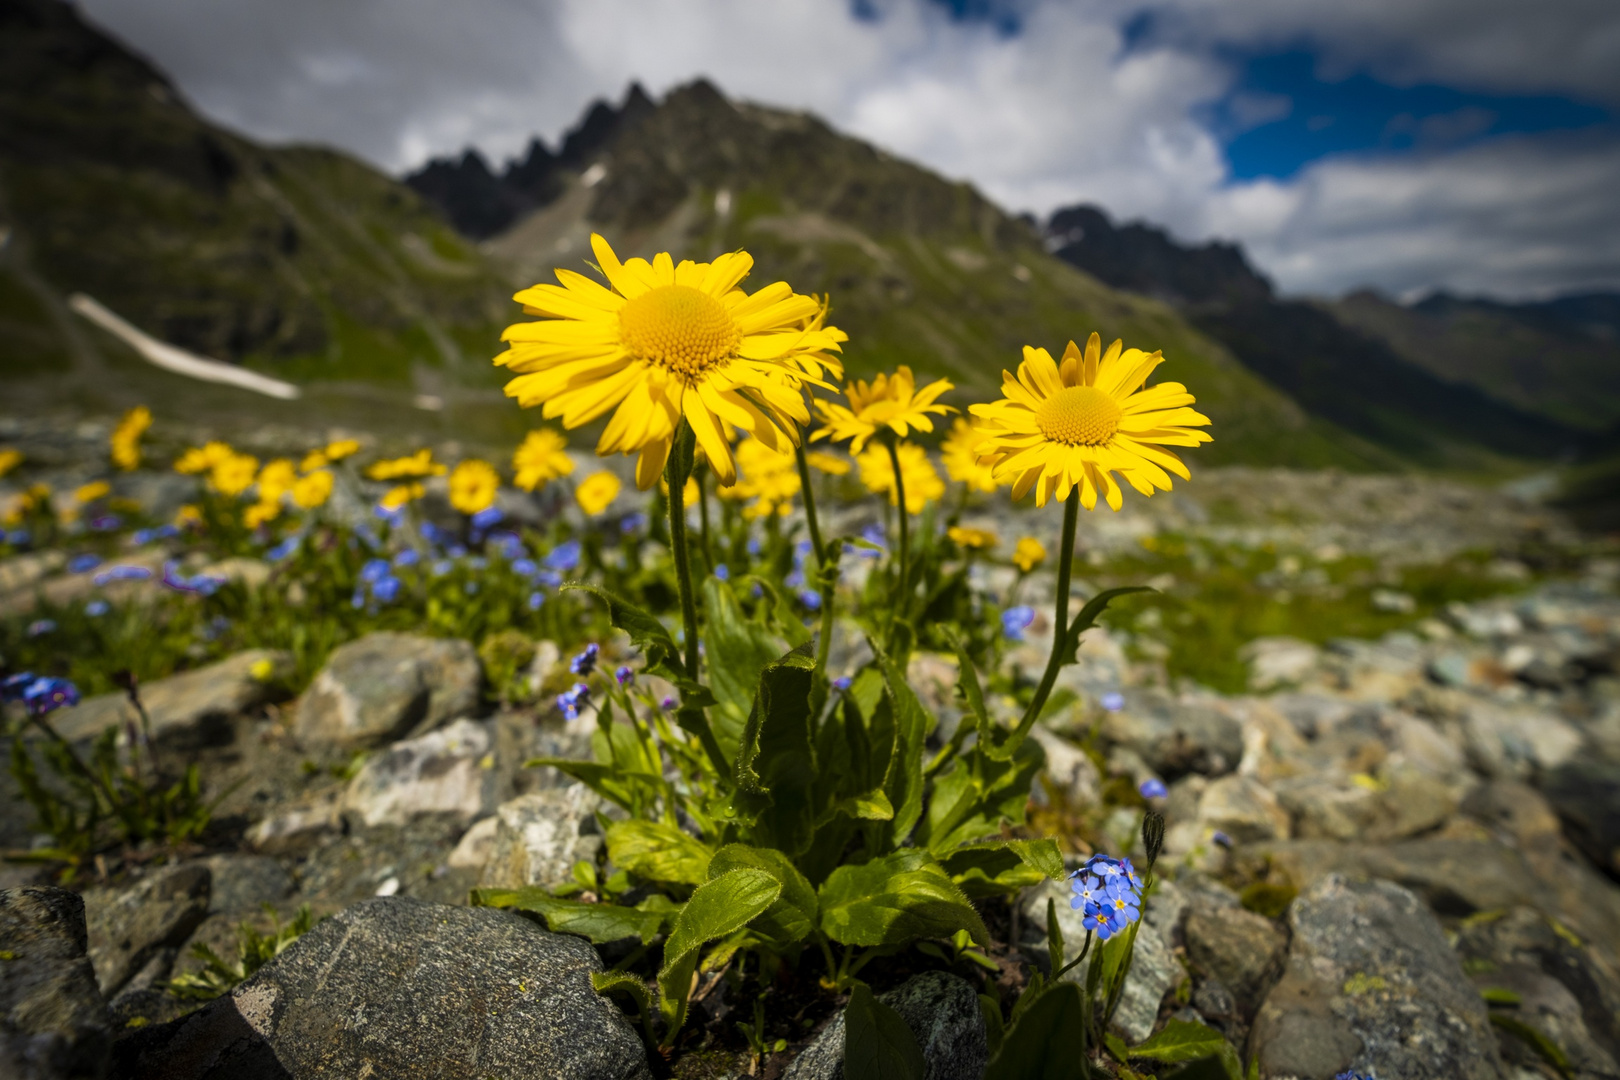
(1089, 614)
(736, 650)
(1054, 937)
(869, 806)
(1181, 1040)
(895, 900)
(878, 1044)
(776, 762)
(646, 632)
(793, 915)
(717, 907)
(601, 923)
(1550, 1051)
(622, 982)
(903, 780)
(990, 869)
(658, 852)
(972, 799)
(1046, 1042)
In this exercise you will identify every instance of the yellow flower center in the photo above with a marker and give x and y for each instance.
(681, 329)
(1079, 416)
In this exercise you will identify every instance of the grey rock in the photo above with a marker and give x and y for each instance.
(1238, 948)
(448, 771)
(1372, 985)
(1071, 772)
(397, 987)
(1276, 661)
(1586, 794)
(1402, 802)
(53, 1021)
(128, 926)
(1175, 736)
(297, 828)
(473, 850)
(1244, 809)
(1466, 876)
(540, 836)
(941, 1010)
(193, 705)
(1517, 742)
(386, 685)
(934, 677)
(244, 882)
(1570, 991)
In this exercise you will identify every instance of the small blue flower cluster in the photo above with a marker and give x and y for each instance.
(796, 579)
(39, 694)
(1015, 620)
(378, 576)
(574, 699)
(1109, 894)
(1350, 1074)
(585, 663)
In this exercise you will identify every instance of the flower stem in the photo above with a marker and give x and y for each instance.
(825, 584)
(703, 518)
(1060, 617)
(905, 522)
(681, 550)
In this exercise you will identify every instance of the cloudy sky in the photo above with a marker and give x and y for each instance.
(1406, 144)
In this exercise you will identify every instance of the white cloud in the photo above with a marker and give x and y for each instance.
(1058, 113)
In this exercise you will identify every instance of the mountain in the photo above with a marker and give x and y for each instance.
(1401, 378)
(1558, 359)
(299, 261)
(921, 270)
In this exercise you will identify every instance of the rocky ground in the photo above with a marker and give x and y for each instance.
(1397, 855)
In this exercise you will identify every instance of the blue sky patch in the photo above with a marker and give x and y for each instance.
(1281, 116)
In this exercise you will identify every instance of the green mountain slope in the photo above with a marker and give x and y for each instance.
(1529, 356)
(300, 261)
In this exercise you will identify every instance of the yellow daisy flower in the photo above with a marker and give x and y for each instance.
(9, 459)
(1074, 425)
(542, 458)
(400, 494)
(769, 477)
(276, 479)
(473, 485)
(597, 491)
(234, 474)
(831, 464)
(125, 444)
(312, 489)
(92, 491)
(338, 449)
(188, 516)
(890, 401)
(261, 513)
(1028, 554)
(200, 459)
(315, 459)
(412, 467)
(922, 482)
(961, 458)
(977, 539)
(668, 341)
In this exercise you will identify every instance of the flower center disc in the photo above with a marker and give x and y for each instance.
(1079, 416)
(679, 328)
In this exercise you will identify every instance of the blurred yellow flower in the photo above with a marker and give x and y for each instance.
(769, 477)
(276, 479)
(961, 458)
(668, 341)
(339, 449)
(315, 459)
(125, 444)
(400, 494)
(200, 459)
(35, 498)
(188, 515)
(831, 464)
(413, 467)
(261, 513)
(1028, 554)
(978, 539)
(597, 491)
(473, 485)
(262, 669)
(922, 482)
(92, 491)
(9, 459)
(1061, 427)
(889, 401)
(312, 489)
(542, 458)
(234, 475)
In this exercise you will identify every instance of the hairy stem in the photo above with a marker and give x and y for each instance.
(905, 523)
(1060, 617)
